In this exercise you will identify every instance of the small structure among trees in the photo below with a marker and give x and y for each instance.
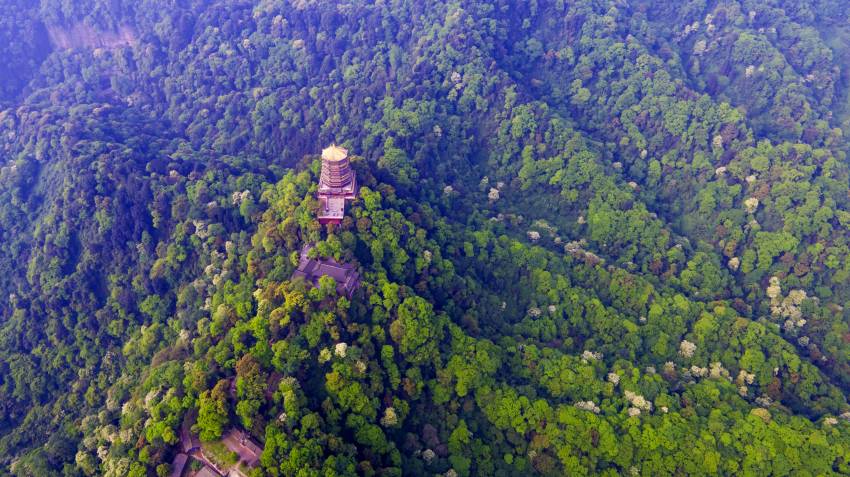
(243, 445)
(312, 269)
(337, 183)
(206, 471)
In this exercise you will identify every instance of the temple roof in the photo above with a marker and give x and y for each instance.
(334, 153)
(243, 445)
(206, 472)
(311, 269)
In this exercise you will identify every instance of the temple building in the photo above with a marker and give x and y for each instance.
(311, 269)
(337, 184)
(240, 443)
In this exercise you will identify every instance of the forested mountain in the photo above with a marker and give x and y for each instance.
(594, 237)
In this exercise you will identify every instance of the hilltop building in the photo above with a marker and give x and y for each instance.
(311, 269)
(337, 184)
(235, 440)
(206, 471)
(243, 445)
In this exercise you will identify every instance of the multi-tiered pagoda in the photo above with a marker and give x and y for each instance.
(336, 184)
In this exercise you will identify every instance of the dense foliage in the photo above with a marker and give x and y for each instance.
(595, 237)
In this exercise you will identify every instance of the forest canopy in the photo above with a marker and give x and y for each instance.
(592, 237)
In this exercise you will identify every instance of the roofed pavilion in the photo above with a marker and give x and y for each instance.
(311, 269)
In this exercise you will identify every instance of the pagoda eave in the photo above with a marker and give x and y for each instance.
(337, 183)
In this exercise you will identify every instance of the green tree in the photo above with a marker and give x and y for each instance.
(212, 412)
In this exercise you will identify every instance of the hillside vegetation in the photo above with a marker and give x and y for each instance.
(596, 237)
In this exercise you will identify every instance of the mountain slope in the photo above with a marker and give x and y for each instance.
(595, 237)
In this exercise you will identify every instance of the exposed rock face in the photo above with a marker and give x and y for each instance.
(81, 35)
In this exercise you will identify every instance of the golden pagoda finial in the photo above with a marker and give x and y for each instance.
(334, 153)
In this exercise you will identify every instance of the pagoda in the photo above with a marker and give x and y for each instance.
(337, 184)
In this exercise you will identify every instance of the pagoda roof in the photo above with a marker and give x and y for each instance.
(334, 153)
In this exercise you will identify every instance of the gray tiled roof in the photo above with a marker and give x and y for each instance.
(311, 269)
